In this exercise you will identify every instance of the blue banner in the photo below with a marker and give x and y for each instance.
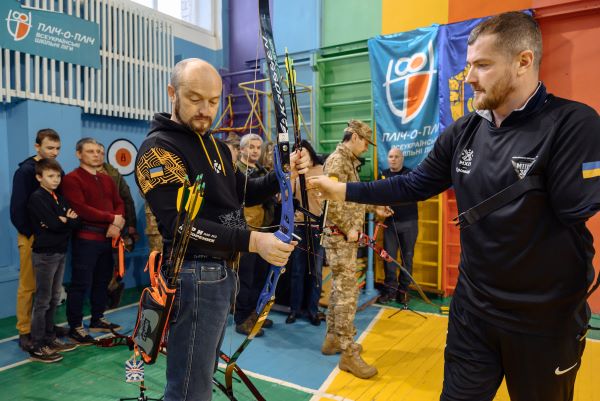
(405, 93)
(49, 34)
(456, 95)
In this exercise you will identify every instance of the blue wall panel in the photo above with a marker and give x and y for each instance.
(6, 247)
(296, 25)
(19, 122)
(18, 125)
(184, 49)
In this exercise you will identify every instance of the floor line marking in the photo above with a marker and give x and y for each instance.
(336, 370)
(291, 385)
(85, 317)
(14, 365)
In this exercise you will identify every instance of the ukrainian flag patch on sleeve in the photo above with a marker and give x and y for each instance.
(590, 169)
(156, 172)
(158, 167)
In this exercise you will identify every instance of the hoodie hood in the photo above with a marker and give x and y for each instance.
(28, 163)
(163, 122)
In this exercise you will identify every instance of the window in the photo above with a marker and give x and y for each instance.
(197, 12)
(147, 3)
(170, 7)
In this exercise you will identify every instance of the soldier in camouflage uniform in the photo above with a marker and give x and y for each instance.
(129, 233)
(341, 253)
(155, 242)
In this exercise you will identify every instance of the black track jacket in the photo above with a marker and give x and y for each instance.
(526, 266)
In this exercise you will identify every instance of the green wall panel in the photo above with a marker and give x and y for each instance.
(344, 92)
(344, 21)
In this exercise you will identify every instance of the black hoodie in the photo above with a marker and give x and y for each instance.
(24, 183)
(172, 151)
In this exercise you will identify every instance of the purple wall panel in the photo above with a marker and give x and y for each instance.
(243, 34)
(244, 42)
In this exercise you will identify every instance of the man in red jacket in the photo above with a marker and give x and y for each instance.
(95, 198)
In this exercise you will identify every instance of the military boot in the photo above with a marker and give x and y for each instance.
(351, 362)
(331, 345)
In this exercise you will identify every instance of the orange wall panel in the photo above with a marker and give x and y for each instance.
(406, 15)
(551, 3)
(594, 226)
(571, 59)
(461, 10)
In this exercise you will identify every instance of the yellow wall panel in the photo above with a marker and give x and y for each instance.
(462, 10)
(406, 15)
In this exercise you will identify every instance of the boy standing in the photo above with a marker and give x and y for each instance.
(47, 146)
(52, 221)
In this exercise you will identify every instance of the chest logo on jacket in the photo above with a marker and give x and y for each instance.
(464, 163)
(522, 165)
(217, 167)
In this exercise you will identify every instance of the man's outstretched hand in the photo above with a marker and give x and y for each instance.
(327, 188)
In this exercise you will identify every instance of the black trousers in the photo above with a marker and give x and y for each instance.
(479, 355)
(252, 276)
(92, 268)
(401, 235)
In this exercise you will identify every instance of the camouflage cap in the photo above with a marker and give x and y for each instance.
(233, 139)
(361, 129)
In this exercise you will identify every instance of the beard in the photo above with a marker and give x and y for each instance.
(206, 121)
(495, 95)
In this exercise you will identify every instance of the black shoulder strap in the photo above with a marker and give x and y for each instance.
(496, 201)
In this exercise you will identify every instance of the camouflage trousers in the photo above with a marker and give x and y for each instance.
(344, 294)
(155, 242)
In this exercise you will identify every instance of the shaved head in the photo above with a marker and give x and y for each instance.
(395, 159)
(195, 92)
(395, 150)
(193, 69)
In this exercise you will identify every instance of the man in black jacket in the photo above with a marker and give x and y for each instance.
(401, 233)
(47, 145)
(179, 146)
(519, 310)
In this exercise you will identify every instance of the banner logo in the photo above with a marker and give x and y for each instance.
(460, 95)
(18, 24)
(414, 78)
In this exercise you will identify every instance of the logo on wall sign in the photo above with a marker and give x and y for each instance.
(18, 24)
(414, 77)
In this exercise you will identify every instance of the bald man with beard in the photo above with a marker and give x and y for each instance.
(181, 145)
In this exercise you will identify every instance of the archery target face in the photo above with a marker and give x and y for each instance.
(121, 154)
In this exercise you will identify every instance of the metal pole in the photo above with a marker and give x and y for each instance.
(370, 279)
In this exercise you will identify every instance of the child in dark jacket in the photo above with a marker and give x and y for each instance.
(52, 221)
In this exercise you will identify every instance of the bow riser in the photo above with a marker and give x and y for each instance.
(282, 171)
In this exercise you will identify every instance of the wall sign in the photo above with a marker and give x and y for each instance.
(49, 34)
